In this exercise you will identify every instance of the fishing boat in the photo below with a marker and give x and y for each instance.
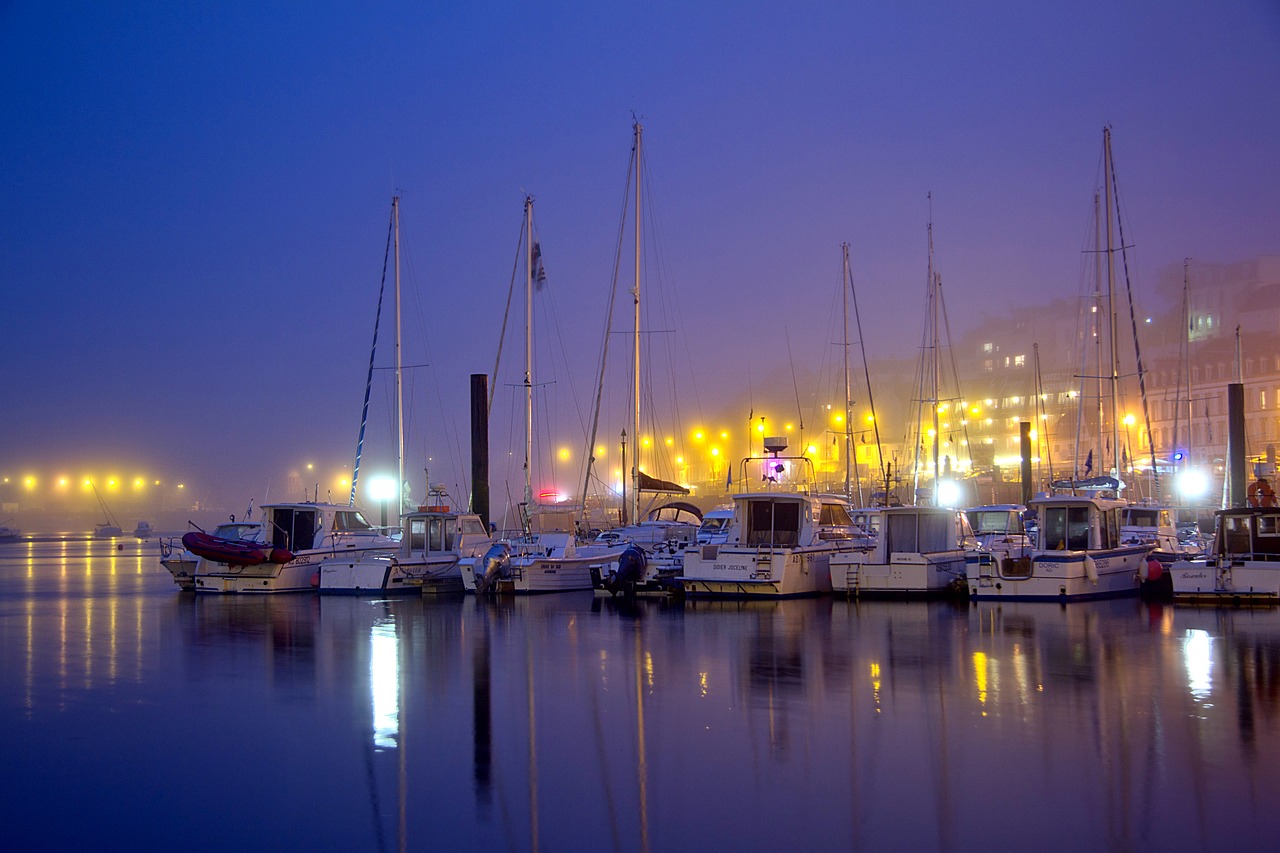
(432, 541)
(920, 552)
(1242, 566)
(1079, 555)
(544, 555)
(181, 562)
(1080, 552)
(312, 533)
(1152, 524)
(9, 534)
(781, 539)
(1003, 542)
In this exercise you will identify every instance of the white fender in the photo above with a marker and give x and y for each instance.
(1091, 571)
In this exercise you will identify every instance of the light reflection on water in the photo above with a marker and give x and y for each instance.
(567, 722)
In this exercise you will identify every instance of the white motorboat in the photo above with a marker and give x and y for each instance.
(310, 533)
(432, 542)
(656, 556)
(1153, 524)
(919, 552)
(181, 563)
(1243, 565)
(1004, 544)
(1079, 555)
(780, 542)
(143, 530)
(9, 534)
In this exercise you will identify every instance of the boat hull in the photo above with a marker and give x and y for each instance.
(906, 575)
(1060, 576)
(183, 570)
(531, 575)
(725, 572)
(1242, 582)
(302, 574)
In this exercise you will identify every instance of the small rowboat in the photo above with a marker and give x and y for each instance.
(234, 552)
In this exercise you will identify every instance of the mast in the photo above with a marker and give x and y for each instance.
(395, 214)
(1098, 246)
(528, 357)
(635, 350)
(848, 402)
(1111, 313)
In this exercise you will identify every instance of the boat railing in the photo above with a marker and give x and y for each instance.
(787, 474)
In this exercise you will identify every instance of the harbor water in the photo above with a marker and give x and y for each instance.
(139, 717)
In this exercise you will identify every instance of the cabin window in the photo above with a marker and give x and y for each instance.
(350, 520)
(937, 533)
(900, 533)
(1065, 528)
(293, 529)
(473, 525)
(835, 515)
(417, 534)
(1235, 534)
(436, 535)
(773, 523)
(1111, 530)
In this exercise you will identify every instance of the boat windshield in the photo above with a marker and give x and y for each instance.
(998, 521)
(237, 531)
(351, 520)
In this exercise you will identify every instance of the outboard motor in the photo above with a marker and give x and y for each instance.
(494, 566)
(631, 565)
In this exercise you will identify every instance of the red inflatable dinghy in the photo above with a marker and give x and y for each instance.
(235, 552)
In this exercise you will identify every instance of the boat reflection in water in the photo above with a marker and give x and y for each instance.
(570, 721)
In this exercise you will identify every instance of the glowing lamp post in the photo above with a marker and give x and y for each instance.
(382, 489)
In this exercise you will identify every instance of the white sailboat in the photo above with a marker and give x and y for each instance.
(1080, 552)
(109, 528)
(545, 556)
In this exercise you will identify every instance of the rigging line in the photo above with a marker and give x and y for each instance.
(364, 415)
(1042, 423)
(506, 314)
(794, 386)
(866, 370)
(608, 324)
(955, 374)
(1137, 349)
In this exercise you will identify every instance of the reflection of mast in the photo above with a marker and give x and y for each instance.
(482, 718)
(642, 761)
(533, 756)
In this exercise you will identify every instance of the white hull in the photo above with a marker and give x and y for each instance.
(531, 575)
(905, 574)
(299, 575)
(1249, 581)
(726, 572)
(1060, 576)
(370, 575)
(183, 570)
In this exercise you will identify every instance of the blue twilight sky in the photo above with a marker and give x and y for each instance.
(194, 198)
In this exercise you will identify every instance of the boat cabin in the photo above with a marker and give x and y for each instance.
(921, 530)
(437, 532)
(1246, 533)
(997, 520)
(306, 526)
(1071, 523)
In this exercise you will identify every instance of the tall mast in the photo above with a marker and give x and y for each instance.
(1111, 313)
(1099, 245)
(528, 353)
(635, 351)
(848, 402)
(395, 213)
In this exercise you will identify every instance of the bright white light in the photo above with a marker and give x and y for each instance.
(1197, 649)
(382, 488)
(1193, 483)
(384, 683)
(949, 493)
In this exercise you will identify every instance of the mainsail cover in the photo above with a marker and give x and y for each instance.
(653, 484)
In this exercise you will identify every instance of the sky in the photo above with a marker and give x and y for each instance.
(194, 202)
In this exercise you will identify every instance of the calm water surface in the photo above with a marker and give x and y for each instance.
(139, 717)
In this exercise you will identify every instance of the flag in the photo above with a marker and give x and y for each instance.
(1088, 464)
(539, 271)
(728, 480)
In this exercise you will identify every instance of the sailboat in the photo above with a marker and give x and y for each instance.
(1079, 553)
(109, 528)
(432, 539)
(921, 549)
(545, 555)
